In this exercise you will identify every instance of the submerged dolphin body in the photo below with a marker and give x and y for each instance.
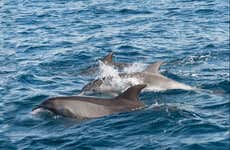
(107, 60)
(150, 76)
(90, 107)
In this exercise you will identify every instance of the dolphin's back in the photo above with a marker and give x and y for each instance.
(84, 108)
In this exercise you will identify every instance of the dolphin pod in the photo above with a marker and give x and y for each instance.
(151, 76)
(94, 107)
(90, 107)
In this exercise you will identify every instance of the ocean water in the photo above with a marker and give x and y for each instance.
(46, 43)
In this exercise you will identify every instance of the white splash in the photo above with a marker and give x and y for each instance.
(113, 81)
(135, 67)
(107, 71)
(156, 105)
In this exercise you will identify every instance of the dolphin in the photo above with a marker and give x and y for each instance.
(154, 79)
(151, 76)
(107, 60)
(90, 107)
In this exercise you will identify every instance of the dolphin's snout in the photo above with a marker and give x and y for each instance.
(36, 107)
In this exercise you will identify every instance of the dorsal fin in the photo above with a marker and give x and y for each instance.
(154, 68)
(108, 58)
(132, 92)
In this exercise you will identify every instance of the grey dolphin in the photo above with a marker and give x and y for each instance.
(91, 107)
(150, 76)
(154, 79)
(108, 60)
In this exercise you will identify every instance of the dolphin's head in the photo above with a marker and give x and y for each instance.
(56, 105)
(46, 105)
(92, 87)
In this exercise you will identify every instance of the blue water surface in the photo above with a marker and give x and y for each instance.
(46, 43)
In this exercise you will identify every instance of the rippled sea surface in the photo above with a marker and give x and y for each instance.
(46, 43)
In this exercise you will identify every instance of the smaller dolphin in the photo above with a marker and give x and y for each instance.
(107, 60)
(91, 107)
(155, 80)
(151, 76)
